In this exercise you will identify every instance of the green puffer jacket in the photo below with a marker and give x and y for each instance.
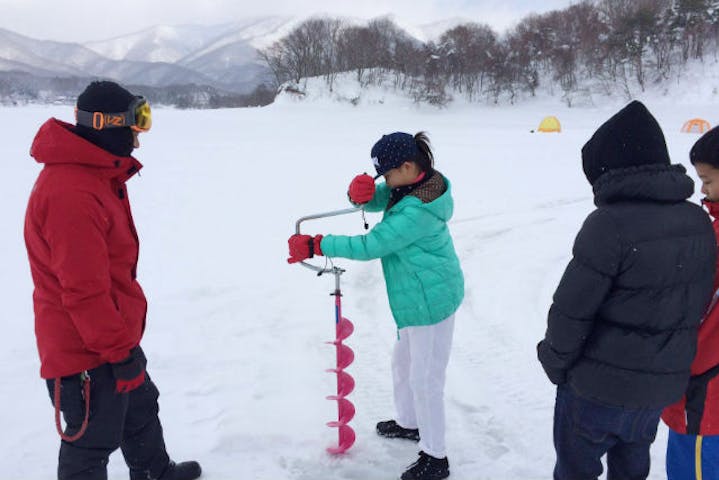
(425, 284)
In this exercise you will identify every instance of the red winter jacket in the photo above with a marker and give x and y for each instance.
(83, 250)
(697, 412)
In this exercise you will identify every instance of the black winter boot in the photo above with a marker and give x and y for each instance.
(427, 467)
(391, 429)
(182, 471)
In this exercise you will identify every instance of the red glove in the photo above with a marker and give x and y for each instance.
(130, 373)
(361, 189)
(303, 247)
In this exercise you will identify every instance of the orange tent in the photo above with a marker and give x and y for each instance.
(696, 125)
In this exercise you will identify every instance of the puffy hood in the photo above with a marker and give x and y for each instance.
(57, 143)
(631, 138)
(653, 183)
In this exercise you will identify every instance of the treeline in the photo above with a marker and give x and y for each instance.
(18, 88)
(602, 45)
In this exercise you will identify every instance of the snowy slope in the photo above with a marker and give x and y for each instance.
(235, 334)
(186, 43)
(256, 32)
(33, 55)
(161, 43)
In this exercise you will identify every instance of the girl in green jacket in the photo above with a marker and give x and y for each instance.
(425, 285)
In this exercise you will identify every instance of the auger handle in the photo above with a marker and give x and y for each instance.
(315, 216)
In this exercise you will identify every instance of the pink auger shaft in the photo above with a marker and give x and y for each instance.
(345, 382)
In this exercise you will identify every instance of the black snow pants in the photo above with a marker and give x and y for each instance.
(125, 420)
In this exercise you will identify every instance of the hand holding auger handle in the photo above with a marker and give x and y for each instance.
(344, 354)
(321, 270)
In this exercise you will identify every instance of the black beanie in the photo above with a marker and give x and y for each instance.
(706, 150)
(632, 137)
(106, 97)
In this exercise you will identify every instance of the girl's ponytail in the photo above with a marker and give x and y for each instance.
(425, 160)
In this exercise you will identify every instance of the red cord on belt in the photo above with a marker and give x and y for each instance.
(86, 394)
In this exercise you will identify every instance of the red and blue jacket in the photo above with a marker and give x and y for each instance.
(697, 413)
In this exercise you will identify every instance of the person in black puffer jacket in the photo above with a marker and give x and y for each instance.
(622, 329)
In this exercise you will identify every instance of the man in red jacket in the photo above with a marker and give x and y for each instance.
(89, 308)
(693, 448)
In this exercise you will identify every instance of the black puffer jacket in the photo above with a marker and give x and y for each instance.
(623, 326)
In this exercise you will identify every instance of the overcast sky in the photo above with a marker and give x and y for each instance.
(82, 20)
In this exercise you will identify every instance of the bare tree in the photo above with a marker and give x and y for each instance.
(465, 51)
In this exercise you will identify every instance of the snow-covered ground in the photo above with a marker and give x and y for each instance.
(235, 334)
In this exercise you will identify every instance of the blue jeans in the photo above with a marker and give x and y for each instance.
(585, 430)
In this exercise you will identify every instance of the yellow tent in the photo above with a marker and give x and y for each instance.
(696, 125)
(550, 124)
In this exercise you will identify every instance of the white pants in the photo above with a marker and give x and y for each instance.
(419, 365)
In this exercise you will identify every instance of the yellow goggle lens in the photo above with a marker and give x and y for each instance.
(143, 117)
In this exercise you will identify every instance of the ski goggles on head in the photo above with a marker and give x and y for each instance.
(138, 117)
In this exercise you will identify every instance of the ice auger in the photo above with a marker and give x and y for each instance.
(345, 355)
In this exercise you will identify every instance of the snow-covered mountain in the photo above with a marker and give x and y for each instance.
(186, 43)
(157, 44)
(257, 32)
(223, 56)
(49, 58)
(34, 56)
(232, 56)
